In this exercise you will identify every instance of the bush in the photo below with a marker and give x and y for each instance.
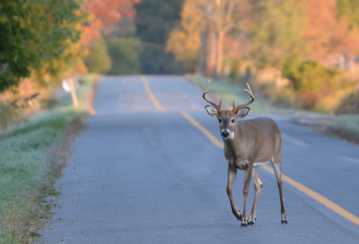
(98, 60)
(9, 115)
(349, 105)
(315, 85)
(124, 55)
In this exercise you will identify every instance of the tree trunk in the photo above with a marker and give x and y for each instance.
(202, 53)
(219, 51)
(211, 54)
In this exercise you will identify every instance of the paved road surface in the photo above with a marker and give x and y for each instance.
(143, 176)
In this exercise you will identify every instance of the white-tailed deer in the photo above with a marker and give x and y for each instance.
(248, 144)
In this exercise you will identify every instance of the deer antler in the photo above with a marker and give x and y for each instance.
(249, 91)
(218, 107)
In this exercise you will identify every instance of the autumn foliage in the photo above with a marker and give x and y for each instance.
(325, 33)
(105, 12)
(311, 43)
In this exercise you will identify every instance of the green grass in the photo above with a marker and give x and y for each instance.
(27, 170)
(24, 169)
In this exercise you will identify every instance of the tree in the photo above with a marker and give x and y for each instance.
(277, 31)
(106, 12)
(34, 33)
(313, 83)
(124, 55)
(202, 31)
(326, 33)
(98, 60)
(184, 40)
(349, 9)
(154, 21)
(223, 21)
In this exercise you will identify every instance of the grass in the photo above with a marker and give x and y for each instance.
(341, 126)
(32, 155)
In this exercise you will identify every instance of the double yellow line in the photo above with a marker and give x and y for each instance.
(323, 200)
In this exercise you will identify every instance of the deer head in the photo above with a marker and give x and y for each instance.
(227, 119)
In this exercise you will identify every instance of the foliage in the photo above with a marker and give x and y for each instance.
(104, 13)
(98, 60)
(156, 18)
(277, 31)
(124, 55)
(35, 32)
(156, 61)
(9, 115)
(184, 40)
(154, 21)
(326, 34)
(349, 104)
(312, 82)
(350, 10)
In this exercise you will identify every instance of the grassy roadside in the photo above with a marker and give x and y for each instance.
(32, 155)
(344, 127)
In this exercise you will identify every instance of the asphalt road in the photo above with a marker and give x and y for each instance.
(139, 175)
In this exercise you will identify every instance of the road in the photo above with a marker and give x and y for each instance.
(142, 174)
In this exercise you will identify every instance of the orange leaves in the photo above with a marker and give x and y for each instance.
(105, 12)
(325, 33)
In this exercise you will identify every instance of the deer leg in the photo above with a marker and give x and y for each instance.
(276, 164)
(247, 180)
(232, 173)
(257, 187)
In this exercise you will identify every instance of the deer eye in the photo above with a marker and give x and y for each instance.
(220, 120)
(232, 120)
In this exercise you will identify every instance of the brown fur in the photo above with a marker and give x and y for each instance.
(255, 141)
(246, 143)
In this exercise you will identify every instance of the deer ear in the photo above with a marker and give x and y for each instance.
(243, 112)
(211, 111)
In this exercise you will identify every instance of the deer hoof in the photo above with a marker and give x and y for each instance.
(251, 221)
(243, 224)
(284, 219)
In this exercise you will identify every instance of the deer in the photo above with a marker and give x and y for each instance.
(248, 144)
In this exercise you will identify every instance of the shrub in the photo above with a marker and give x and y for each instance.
(98, 60)
(9, 115)
(316, 86)
(124, 55)
(349, 104)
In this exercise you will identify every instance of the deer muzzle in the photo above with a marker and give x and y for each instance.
(225, 133)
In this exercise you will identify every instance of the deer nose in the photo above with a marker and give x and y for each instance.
(225, 133)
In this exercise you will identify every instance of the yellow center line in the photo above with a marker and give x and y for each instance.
(323, 200)
(151, 95)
